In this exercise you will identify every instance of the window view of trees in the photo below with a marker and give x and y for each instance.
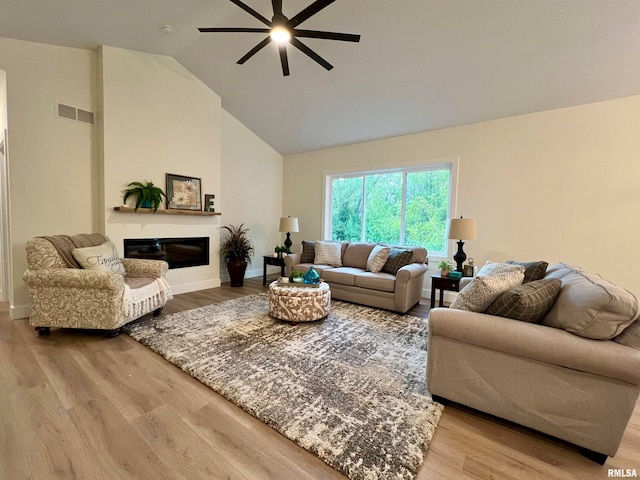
(401, 207)
(346, 208)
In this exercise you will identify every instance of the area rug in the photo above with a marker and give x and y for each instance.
(349, 388)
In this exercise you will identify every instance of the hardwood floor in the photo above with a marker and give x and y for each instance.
(78, 405)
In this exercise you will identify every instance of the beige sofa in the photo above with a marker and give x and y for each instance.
(61, 294)
(549, 376)
(350, 281)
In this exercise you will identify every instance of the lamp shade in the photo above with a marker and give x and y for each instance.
(288, 224)
(462, 229)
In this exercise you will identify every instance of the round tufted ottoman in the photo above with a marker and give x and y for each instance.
(299, 304)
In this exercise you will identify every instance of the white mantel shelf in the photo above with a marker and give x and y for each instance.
(165, 211)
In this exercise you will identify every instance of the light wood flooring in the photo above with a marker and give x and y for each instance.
(77, 405)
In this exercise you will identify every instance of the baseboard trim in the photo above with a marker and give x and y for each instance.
(195, 286)
(19, 312)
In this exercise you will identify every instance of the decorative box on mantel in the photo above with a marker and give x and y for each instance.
(125, 209)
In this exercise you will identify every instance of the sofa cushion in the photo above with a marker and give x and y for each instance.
(308, 252)
(559, 270)
(377, 258)
(384, 282)
(532, 270)
(492, 281)
(398, 258)
(328, 253)
(592, 307)
(356, 254)
(631, 336)
(341, 275)
(103, 258)
(528, 302)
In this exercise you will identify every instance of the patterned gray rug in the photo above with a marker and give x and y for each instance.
(349, 388)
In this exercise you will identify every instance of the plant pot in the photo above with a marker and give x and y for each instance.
(444, 273)
(146, 203)
(236, 268)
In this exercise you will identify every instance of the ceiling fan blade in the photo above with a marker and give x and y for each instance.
(306, 50)
(311, 10)
(345, 37)
(251, 11)
(283, 59)
(233, 29)
(277, 7)
(254, 50)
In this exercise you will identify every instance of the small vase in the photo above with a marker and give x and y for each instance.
(312, 277)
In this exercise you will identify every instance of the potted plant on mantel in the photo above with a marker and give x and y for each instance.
(236, 249)
(147, 195)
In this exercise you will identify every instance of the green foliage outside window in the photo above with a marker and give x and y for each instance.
(402, 207)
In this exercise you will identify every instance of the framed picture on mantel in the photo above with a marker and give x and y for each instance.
(184, 193)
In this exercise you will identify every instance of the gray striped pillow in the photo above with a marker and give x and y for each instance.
(377, 258)
(328, 253)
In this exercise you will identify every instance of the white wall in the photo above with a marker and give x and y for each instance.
(66, 177)
(5, 264)
(252, 190)
(157, 119)
(560, 185)
(52, 161)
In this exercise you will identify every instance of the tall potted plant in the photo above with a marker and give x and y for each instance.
(147, 195)
(236, 249)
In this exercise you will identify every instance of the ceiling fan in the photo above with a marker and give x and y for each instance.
(284, 30)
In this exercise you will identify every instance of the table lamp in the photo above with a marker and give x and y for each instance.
(461, 229)
(288, 225)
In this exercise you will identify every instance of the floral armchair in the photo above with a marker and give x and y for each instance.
(62, 295)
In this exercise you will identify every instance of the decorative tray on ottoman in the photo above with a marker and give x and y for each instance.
(299, 284)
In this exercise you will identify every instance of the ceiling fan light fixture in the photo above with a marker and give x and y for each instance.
(285, 30)
(280, 34)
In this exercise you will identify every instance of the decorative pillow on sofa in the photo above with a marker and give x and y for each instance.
(103, 258)
(328, 253)
(308, 252)
(398, 258)
(528, 302)
(592, 307)
(378, 258)
(532, 270)
(492, 281)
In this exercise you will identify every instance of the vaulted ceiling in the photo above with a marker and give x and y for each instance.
(420, 64)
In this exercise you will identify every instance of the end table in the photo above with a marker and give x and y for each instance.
(442, 283)
(271, 260)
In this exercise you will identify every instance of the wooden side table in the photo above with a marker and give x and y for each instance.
(271, 260)
(442, 283)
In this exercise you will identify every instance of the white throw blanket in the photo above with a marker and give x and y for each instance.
(140, 301)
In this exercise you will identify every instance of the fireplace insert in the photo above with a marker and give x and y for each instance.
(177, 252)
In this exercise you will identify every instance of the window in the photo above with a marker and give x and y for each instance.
(402, 207)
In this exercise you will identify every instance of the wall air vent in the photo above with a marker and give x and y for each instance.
(72, 113)
(85, 116)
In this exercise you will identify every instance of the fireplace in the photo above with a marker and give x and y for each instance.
(177, 252)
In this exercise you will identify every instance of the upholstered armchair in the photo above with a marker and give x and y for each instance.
(63, 295)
